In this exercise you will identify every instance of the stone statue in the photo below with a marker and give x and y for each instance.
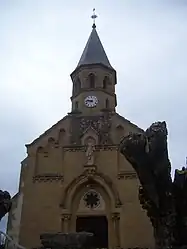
(5, 203)
(165, 201)
(89, 153)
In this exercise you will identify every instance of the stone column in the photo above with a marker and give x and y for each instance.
(65, 222)
(115, 220)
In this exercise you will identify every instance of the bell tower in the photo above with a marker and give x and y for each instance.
(94, 79)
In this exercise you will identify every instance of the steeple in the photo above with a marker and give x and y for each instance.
(94, 52)
(93, 79)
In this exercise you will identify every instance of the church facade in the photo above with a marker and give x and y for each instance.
(74, 177)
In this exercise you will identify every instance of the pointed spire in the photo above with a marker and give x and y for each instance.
(94, 52)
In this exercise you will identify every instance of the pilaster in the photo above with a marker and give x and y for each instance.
(115, 221)
(65, 222)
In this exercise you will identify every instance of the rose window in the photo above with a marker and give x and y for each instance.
(91, 199)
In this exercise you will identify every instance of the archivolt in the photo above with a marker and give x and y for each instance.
(98, 178)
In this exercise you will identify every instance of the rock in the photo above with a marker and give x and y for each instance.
(66, 240)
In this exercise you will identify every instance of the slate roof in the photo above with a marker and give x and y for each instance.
(94, 52)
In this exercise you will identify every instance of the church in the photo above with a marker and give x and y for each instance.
(74, 178)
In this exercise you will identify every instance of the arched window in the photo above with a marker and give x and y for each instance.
(120, 132)
(89, 140)
(92, 80)
(76, 105)
(77, 86)
(105, 82)
(61, 136)
(107, 104)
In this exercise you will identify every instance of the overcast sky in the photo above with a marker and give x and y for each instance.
(41, 43)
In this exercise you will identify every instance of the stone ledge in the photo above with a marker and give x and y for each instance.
(48, 178)
(128, 175)
(74, 148)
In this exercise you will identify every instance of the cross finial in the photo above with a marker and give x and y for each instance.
(94, 16)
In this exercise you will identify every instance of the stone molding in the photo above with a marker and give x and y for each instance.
(90, 89)
(91, 173)
(48, 178)
(75, 148)
(128, 175)
(106, 147)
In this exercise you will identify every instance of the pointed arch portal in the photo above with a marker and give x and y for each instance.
(105, 217)
(100, 179)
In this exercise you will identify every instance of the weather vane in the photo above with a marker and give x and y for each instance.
(94, 16)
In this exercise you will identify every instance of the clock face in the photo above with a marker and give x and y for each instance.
(91, 101)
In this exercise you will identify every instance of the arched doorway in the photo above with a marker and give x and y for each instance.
(91, 215)
(93, 197)
(98, 225)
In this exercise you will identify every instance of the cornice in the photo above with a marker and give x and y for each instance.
(98, 89)
(74, 148)
(96, 65)
(48, 178)
(128, 175)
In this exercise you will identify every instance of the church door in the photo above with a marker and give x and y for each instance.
(98, 225)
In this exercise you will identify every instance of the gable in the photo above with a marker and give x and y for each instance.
(122, 127)
(128, 123)
(53, 135)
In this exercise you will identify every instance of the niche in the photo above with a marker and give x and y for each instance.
(120, 132)
(76, 105)
(77, 86)
(106, 103)
(61, 136)
(89, 140)
(105, 82)
(91, 78)
(41, 160)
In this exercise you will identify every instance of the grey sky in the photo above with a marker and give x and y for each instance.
(41, 43)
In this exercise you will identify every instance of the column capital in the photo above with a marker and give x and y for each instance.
(115, 216)
(66, 217)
